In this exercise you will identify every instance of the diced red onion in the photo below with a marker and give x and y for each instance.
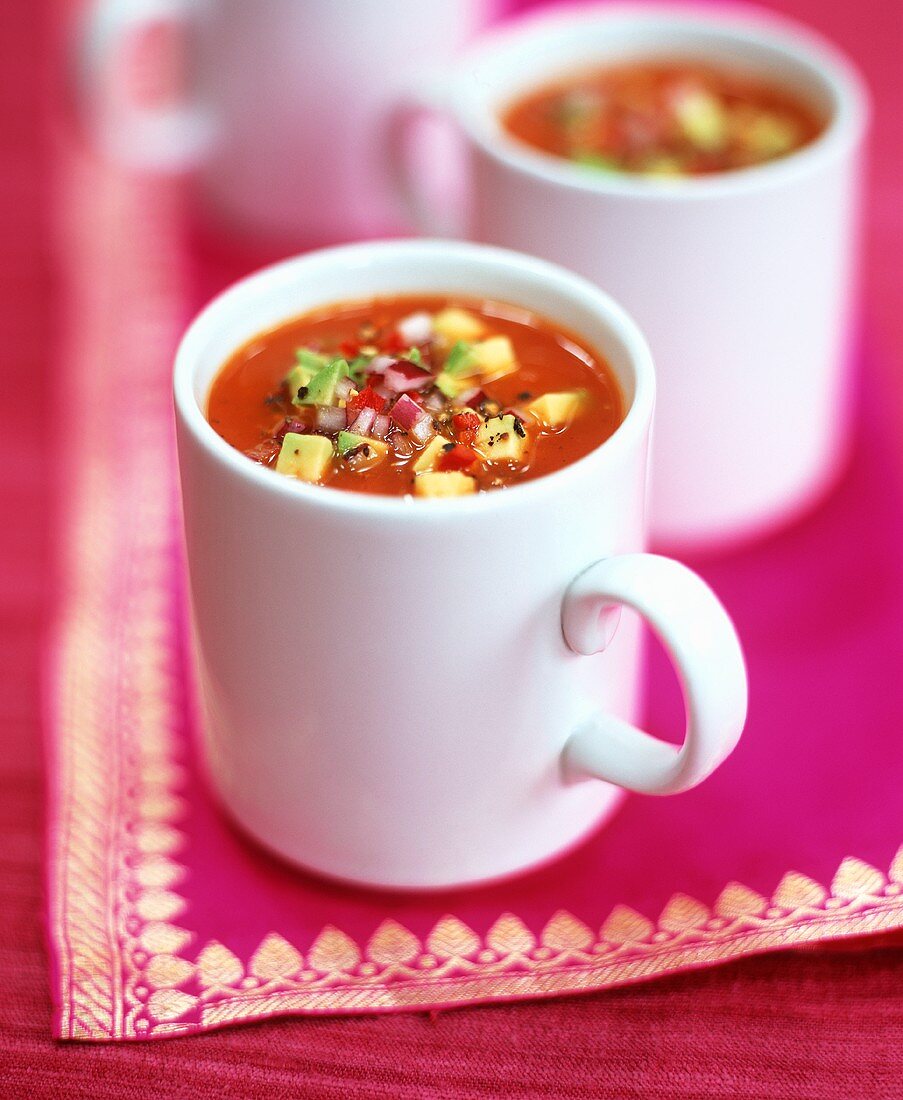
(294, 424)
(364, 421)
(403, 447)
(403, 376)
(383, 391)
(467, 396)
(330, 419)
(379, 363)
(423, 431)
(343, 388)
(406, 412)
(434, 401)
(381, 426)
(416, 328)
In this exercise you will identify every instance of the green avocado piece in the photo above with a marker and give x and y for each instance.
(451, 387)
(347, 441)
(358, 369)
(305, 457)
(460, 362)
(307, 364)
(312, 360)
(296, 379)
(320, 389)
(596, 160)
(362, 450)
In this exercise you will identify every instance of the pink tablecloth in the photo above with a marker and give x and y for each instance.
(794, 842)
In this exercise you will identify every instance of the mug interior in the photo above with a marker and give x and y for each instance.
(277, 294)
(546, 48)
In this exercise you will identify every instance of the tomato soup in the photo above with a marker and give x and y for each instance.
(664, 119)
(427, 396)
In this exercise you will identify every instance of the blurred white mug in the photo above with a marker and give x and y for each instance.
(285, 116)
(742, 281)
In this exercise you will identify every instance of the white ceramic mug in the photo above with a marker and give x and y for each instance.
(394, 689)
(286, 114)
(742, 282)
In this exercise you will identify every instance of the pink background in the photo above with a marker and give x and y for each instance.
(804, 1026)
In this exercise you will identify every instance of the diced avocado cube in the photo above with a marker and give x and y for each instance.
(297, 378)
(494, 357)
(311, 360)
(307, 364)
(702, 119)
(663, 166)
(450, 483)
(454, 324)
(349, 442)
(321, 388)
(306, 457)
(430, 454)
(413, 356)
(596, 160)
(460, 362)
(450, 386)
(358, 368)
(502, 439)
(771, 136)
(556, 410)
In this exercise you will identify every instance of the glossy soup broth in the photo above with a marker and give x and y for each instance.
(424, 395)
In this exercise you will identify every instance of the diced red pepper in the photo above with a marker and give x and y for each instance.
(351, 349)
(392, 343)
(466, 426)
(458, 457)
(366, 399)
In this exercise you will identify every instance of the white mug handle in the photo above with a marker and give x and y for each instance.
(170, 137)
(703, 645)
(422, 209)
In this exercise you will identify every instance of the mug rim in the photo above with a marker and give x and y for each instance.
(637, 416)
(783, 37)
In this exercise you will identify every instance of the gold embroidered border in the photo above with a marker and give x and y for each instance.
(124, 968)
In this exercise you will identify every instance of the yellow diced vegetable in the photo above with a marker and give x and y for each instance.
(429, 456)
(306, 457)
(702, 119)
(502, 439)
(454, 324)
(556, 410)
(450, 483)
(494, 357)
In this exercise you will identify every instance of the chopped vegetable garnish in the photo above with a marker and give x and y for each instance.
(429, 456)
(417, 396)
(556, 410)
(444, 484)
(455, 456)
(670, 118)
(453, 324)
(304, 456)
(503, 439)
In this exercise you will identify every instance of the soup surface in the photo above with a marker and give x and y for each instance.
(427, 395)
(664, 119)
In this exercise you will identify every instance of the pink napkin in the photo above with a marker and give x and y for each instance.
(164, 921)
